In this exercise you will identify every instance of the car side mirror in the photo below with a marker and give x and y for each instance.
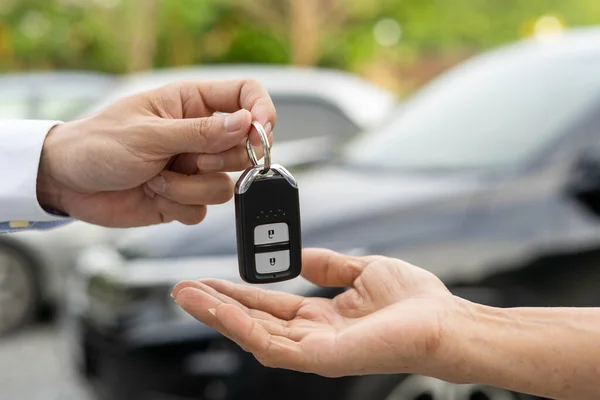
(584, 183)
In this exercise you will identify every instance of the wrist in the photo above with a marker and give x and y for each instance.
(49, 190)
(464, 342)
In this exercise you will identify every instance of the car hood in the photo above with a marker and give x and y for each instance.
(334, 202)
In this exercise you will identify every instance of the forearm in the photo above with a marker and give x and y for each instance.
(551, 352)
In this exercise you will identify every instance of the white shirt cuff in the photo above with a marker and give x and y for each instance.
(21, 145)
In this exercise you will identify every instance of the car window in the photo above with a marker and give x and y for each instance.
(300, 117)
(492, 114)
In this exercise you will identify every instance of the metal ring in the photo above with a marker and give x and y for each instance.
(265, 145)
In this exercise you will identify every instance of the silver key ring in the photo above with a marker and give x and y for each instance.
(265, 145)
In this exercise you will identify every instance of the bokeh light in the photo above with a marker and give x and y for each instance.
(387, 32)
(34, 25)
(548, 27)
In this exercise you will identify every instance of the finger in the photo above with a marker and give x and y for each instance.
(235, 159)
(213, 134)
(197, 303)
(212, 292)
(272, 324)
(214, 188)
(271, 350)
(254, 136)
(279, 304)
(258, 314)
(231, 95)
(172, 211)
(328, 268)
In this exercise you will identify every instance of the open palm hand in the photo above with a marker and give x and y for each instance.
(388, 321)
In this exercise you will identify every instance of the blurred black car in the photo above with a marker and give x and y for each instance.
(489, 177)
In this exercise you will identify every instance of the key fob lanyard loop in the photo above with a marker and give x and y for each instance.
(264, 140)
(251, 173)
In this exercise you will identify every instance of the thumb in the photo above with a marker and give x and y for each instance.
(213, 134)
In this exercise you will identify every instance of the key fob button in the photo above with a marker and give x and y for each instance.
(274, 261)
(271, 233)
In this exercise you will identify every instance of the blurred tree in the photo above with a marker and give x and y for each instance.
(399, 43)
(142, 17)
(305, 28)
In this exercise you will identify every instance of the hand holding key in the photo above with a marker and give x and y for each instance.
(110, 168)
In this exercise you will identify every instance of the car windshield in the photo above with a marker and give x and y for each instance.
(489, 113)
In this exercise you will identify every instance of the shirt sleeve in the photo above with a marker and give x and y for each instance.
(20, 151)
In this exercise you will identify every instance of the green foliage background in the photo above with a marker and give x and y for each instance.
(102, 34)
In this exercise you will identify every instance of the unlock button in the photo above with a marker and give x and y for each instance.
(271, 233)
(275, 261)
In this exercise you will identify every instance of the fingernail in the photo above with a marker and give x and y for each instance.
(212, 311)
(158, 184)
(172, 295)
(233, 122)
(268, 128)
(212, 162)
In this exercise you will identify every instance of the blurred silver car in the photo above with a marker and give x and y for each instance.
(50, 95)
(316, 110)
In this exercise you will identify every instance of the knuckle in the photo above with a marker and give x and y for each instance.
(264, 360)
(203, 126)
(253, 91)
(375, 260)
(353, 265)
(201, 214)
(176, 85)
(195, 216)
(206, 124)
(221, 189)
(250, 83)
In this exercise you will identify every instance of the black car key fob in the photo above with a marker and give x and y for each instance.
(267, 212)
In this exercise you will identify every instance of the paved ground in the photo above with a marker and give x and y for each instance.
(34, 366)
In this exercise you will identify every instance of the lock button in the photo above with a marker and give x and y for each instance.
(274, 261)
(271, 233)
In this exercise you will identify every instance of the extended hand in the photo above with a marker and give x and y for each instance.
(109, 168)
(389, 321)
